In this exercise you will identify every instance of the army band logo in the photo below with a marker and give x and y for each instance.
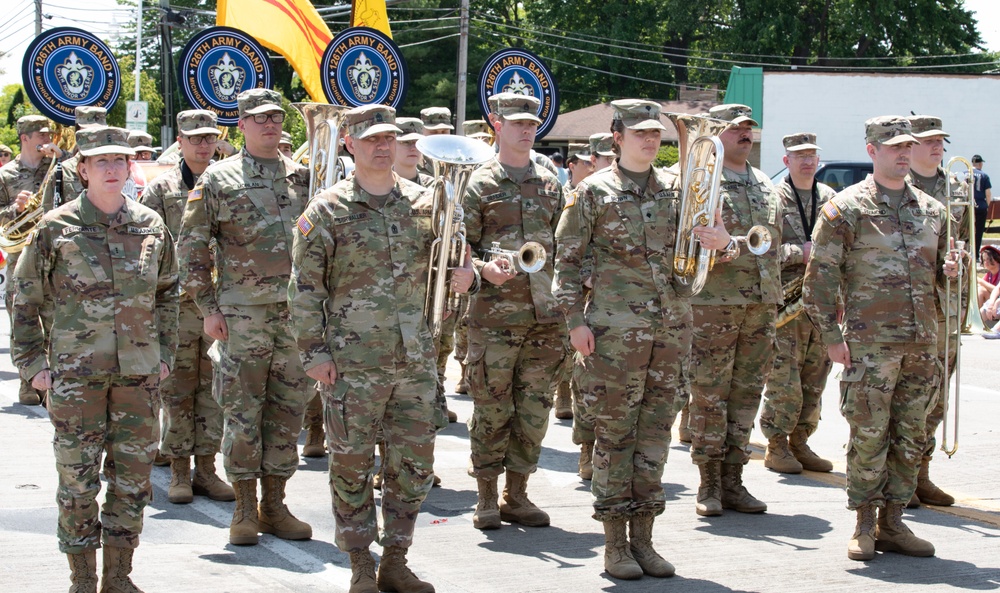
(218, 64)
(66, 68)
(362, 66)
(515, 70)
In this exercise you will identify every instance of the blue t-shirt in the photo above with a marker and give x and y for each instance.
(981, 184)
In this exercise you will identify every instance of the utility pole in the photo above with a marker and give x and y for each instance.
(138, 51)
(463, 67)
(166, 75)
(38, 17)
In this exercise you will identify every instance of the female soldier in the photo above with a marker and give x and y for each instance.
(634, 338)
(95, 322)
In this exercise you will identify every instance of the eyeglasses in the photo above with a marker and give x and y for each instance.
(206, 138)
(5, 154)
(805, 157)
(261, 118)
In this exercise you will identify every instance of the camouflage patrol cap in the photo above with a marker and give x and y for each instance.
(476, 128)
(925, 126)
(91, 116)
(4, 149)
(254, 101)
(578, 150)
(638, 114)
(601, 144)
(29, 124)
(97, 140)
(286, 138)
(197, 122)
(367, 120)
(514, 106)
(436, 118)
(733, 113)
(888, 130)
(140, 139)
(800, 141)
(412, 129)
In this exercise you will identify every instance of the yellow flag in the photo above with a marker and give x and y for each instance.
(291, 28)
(372, 14)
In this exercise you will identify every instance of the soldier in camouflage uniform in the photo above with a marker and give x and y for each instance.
(478, 129)
(192, 423)
(733, 342)
(515, 340)
(285, 145)
(631, 361)
(19, 180)
(602, 152)
(875, 241)
(100, 272)
(927, 175)
(794, 393)
(248, 203)
(360, 262)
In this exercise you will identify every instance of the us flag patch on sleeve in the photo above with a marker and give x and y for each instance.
(305, 225)
(831, 212)
(195, 194)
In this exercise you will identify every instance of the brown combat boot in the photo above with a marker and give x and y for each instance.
(805, 455)
(83, 572)
(683, 428)
(641, 545)
(207, 483)
(927, 492)
(379, 476)
(362, 573)
(117, 567)
(244, 527)
(395, 575)
(161, 460)
(28, 395)
(862, 546)
(709, 503)
(463, 385)
(564, 402)
(179, 491)
(586, 463)
(275, 518)
(891, 535)
(487, 515)
(618, 559)
(734, 495)
(515, 506)
(778, 458)
(315, 441)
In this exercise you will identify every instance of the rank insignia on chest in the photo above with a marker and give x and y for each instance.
(305, 225)
(195, 194)
(831, 212)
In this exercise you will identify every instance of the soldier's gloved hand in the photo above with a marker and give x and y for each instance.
(324, 372)
(164, 370)
(42, 380)
(215, 326)
(582, 340)
(496, 274)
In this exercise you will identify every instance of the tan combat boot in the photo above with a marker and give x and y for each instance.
(161, 460)
(683, 427)
(179, 491)
(734, 495)
(207, 483)
(927, 492)
(587, 460)
(395, 575)
(862, 546)
(117, 567)
(641, 545)
(564, 402)
(83, 572)
(709, 503)
(778, 458)
(313, 422)
(618, 560)
(28, 395)
(891, 535)
(275, 518)
(805, 455)
(362, 573)
(515, 506)
(244, 526)
(380, 474)
(487, 515)
(463, 385)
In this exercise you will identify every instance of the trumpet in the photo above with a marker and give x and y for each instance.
(529, 259)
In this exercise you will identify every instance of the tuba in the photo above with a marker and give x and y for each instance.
(323, 122)
(14, 232)
(529, 259)
(454, 159)
(701, 155)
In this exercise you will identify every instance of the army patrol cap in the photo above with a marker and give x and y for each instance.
(412, 129)
(367, 120)
(602, 144)
(98, 140)
(436, 118)
(29, 124)
(925, 126)
(514, 106)
(578, 150)
(139, 139)
(197, 122)
(889, 130)
(638, 114)
(91, 116)
(733, 113)
(476, 128)
(286, 138)
(800, 141)
(254, 101)
(5, 150)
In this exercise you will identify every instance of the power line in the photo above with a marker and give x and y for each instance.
(430, 40)
(19, 15)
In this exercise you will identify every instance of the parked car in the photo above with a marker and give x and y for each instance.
(836, 174)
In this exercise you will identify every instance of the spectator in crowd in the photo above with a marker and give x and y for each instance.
(981, 188)
(989, 293)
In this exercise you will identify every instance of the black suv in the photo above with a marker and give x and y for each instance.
(836, 174)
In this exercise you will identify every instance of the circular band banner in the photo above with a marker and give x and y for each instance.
(515, 70)
(65, 68)
(362, 66)
(217, 65)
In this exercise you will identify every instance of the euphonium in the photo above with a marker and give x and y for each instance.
(791, 306)
(323, 124)
(454, 159)
(529, 259)
(701, 156)
(14, 232)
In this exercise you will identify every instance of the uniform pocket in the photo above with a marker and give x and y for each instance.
(475, 369)
(850, 390)
(333, 415)
(226, 386)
